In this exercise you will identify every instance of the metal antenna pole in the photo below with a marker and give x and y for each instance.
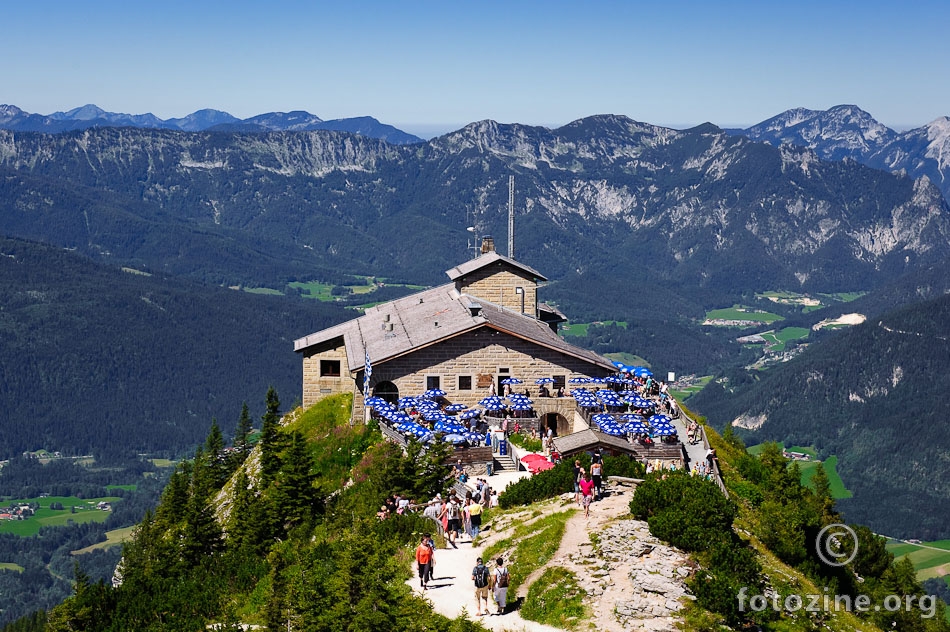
(511, 217)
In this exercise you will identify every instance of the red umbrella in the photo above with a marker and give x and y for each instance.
(540, 466)
(529, 458)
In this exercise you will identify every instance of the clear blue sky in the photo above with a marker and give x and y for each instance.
(443, 64)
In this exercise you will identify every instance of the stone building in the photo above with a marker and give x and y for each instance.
(463, 337)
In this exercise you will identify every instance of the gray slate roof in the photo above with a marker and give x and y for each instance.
(486, 260)
(430, 316)
(590, 439)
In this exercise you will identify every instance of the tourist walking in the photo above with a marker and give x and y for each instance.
(481, 576)
(501, 585)
(587, 493)
(577, 480)
(424, 560)
(454, 514)
(475, 516)
(596, 472)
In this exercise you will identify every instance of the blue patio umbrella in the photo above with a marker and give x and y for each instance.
(632, 418)
(453, 438)
(520, 406)
(662, 419)
(491, 399)
(434, 392)
(407, 402)
(494, 405)
(642, 371)
(454, 408)
(511, 380)
(613, 431)
(579, 380)
(637, 428)
(470, 414)
(597, 380)
(603, 418)
(474, 437)
(665, 432)
(544, 380)
(433, 414)
(375, 401)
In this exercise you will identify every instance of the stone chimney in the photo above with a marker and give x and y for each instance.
(488, 244)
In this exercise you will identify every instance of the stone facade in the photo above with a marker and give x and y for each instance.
(497, 283)
(318, 381)
(480, 355)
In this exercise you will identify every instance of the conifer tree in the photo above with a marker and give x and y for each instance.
(270, 439)
(202, 535)
(825, 503)
(243, 530)
(242, 434)
(294, 493)
(214, 450)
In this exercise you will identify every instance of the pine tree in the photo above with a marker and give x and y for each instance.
(294, 494)
(214, 450)
(270, 439)
(242, 434)
(824, 502)
(202, 535)
(243, 530)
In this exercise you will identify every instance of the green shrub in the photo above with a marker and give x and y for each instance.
(541, 486)
(687, 511)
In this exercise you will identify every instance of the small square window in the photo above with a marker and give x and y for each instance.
(329, 368)
(465, 382)
(559, 381)
(433, 381)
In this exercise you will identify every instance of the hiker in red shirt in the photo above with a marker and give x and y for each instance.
(424, 560)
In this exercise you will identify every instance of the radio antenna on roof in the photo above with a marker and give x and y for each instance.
(511, 217)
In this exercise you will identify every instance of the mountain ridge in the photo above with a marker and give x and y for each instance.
(90, 115)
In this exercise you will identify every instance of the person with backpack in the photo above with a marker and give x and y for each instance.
(481, 576)
(424, 560)
(501, 585)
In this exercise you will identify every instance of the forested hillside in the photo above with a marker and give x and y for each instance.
(287, 539)
(873, 395)
(98, 360)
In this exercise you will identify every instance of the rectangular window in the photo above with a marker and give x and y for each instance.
(559, 381)
(433, 381)
(503, 370)
(329, 368)
(465, 382)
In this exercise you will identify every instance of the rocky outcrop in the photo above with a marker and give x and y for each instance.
(651, 574)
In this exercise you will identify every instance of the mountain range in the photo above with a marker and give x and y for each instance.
(696, 208)
(847, 131)
(13, 118)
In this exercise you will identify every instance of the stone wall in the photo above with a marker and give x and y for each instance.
(479, 354)
(317, 386)
(497, 285)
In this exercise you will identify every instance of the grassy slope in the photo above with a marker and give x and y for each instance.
(113, 538)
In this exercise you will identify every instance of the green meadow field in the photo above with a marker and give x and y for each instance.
(45, 517)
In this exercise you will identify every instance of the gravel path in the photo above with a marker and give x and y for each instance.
(632, 581)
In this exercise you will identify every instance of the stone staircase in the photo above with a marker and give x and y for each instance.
(505, 462)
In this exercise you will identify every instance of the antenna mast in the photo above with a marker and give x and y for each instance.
(511, 217)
